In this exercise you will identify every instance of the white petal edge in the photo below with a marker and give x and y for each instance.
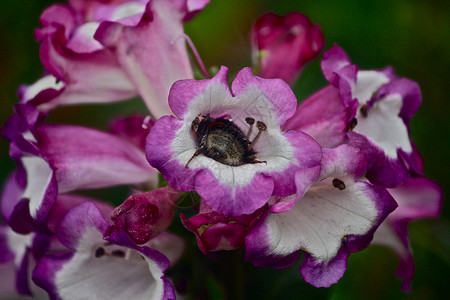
(46, 82)
(18, 244)
(82, 41)
(127, 10)
(39, 175)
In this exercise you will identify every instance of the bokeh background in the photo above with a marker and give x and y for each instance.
(413, 36)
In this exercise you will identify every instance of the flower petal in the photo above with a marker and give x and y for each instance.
(334, 217)
(86, 273)
(150, 53)
(269, 98)
(84, 161)
(191, 96)
(322, 116)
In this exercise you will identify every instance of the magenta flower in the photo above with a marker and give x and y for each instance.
(239, 179)
(25, 250)
(97, 52)
(56, 159)
(93, 259)
(336, 216)
(144, 216)
(379, 106)
(215, 231)
(283, 45)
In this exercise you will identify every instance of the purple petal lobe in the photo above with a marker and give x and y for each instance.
(321, 274)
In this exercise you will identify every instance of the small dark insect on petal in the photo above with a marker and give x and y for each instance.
(118, 253)
(339, 184)
(364, 110)
(99, 252)
(352, 124)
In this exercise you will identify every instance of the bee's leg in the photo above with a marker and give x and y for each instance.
(253, 160)
(198, 152)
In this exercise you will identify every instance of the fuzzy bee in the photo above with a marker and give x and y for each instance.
(221, 140)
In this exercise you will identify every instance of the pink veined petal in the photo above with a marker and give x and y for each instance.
(85, 158)
(152, 66)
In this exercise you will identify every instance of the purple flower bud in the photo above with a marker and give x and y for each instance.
(215, 231)
(283, 45)
(143, 216)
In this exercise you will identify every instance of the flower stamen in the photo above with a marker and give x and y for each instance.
(261, 127)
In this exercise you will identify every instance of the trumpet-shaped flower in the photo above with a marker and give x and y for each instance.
(206, 149)
(98, 268)
(103, 52)
(379, 106)
(56, 159)
(336, 216)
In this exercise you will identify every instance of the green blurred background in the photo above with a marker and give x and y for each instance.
(410, 35)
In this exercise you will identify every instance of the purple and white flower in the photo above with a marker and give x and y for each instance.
(56, 159)
(18, 256)
(114, 267)
(104, 52)
(336, 216)
(379, 106)
(282, 158)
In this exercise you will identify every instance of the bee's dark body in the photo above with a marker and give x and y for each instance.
(221, 140)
